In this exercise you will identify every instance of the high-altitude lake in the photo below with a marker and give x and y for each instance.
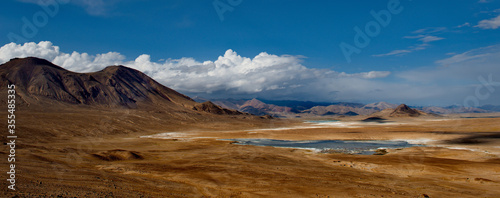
(363, 147)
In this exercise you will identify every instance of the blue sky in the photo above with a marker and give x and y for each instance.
(301, 39)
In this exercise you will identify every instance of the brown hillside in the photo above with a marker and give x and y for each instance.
(39, 80)
(404, 111)
(212, 108)
(43, 85)
(267, 108)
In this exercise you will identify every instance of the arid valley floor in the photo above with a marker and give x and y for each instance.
(112, 154)
(249, 99)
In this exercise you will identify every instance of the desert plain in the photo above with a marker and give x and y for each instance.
(82, 152)
(249, 99)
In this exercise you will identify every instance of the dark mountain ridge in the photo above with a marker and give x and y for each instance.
(403, 110)
(112, 86)
(39, 83)
(291, 108)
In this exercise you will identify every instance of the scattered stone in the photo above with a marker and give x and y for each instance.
(380, 152)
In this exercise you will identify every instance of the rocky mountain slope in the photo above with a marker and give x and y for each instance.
(401, 111)
(405, 111)
(43, 85)
(306, 109)
(258, 107)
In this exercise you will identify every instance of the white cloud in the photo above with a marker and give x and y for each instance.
(466, 24)
(420, 46)
(79, 62)
(493, 23)
(375, 74)
(460, 77)
(284, 77)
(425, 39)
(469, 55)
(43, 49)
(265, 75)
(428, 39)
(87, 63)
(393, 52)
(430, 30)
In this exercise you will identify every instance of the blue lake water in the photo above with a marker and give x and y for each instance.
(363, 147)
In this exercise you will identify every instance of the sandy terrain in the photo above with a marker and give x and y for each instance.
(82, 155)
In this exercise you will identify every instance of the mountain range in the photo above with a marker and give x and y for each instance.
(290, 108)
(41, 85)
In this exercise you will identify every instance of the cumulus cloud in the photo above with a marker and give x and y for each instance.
(43, 49)
(79, 62)
(265, 75)
(493, 23)
(285, 77)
